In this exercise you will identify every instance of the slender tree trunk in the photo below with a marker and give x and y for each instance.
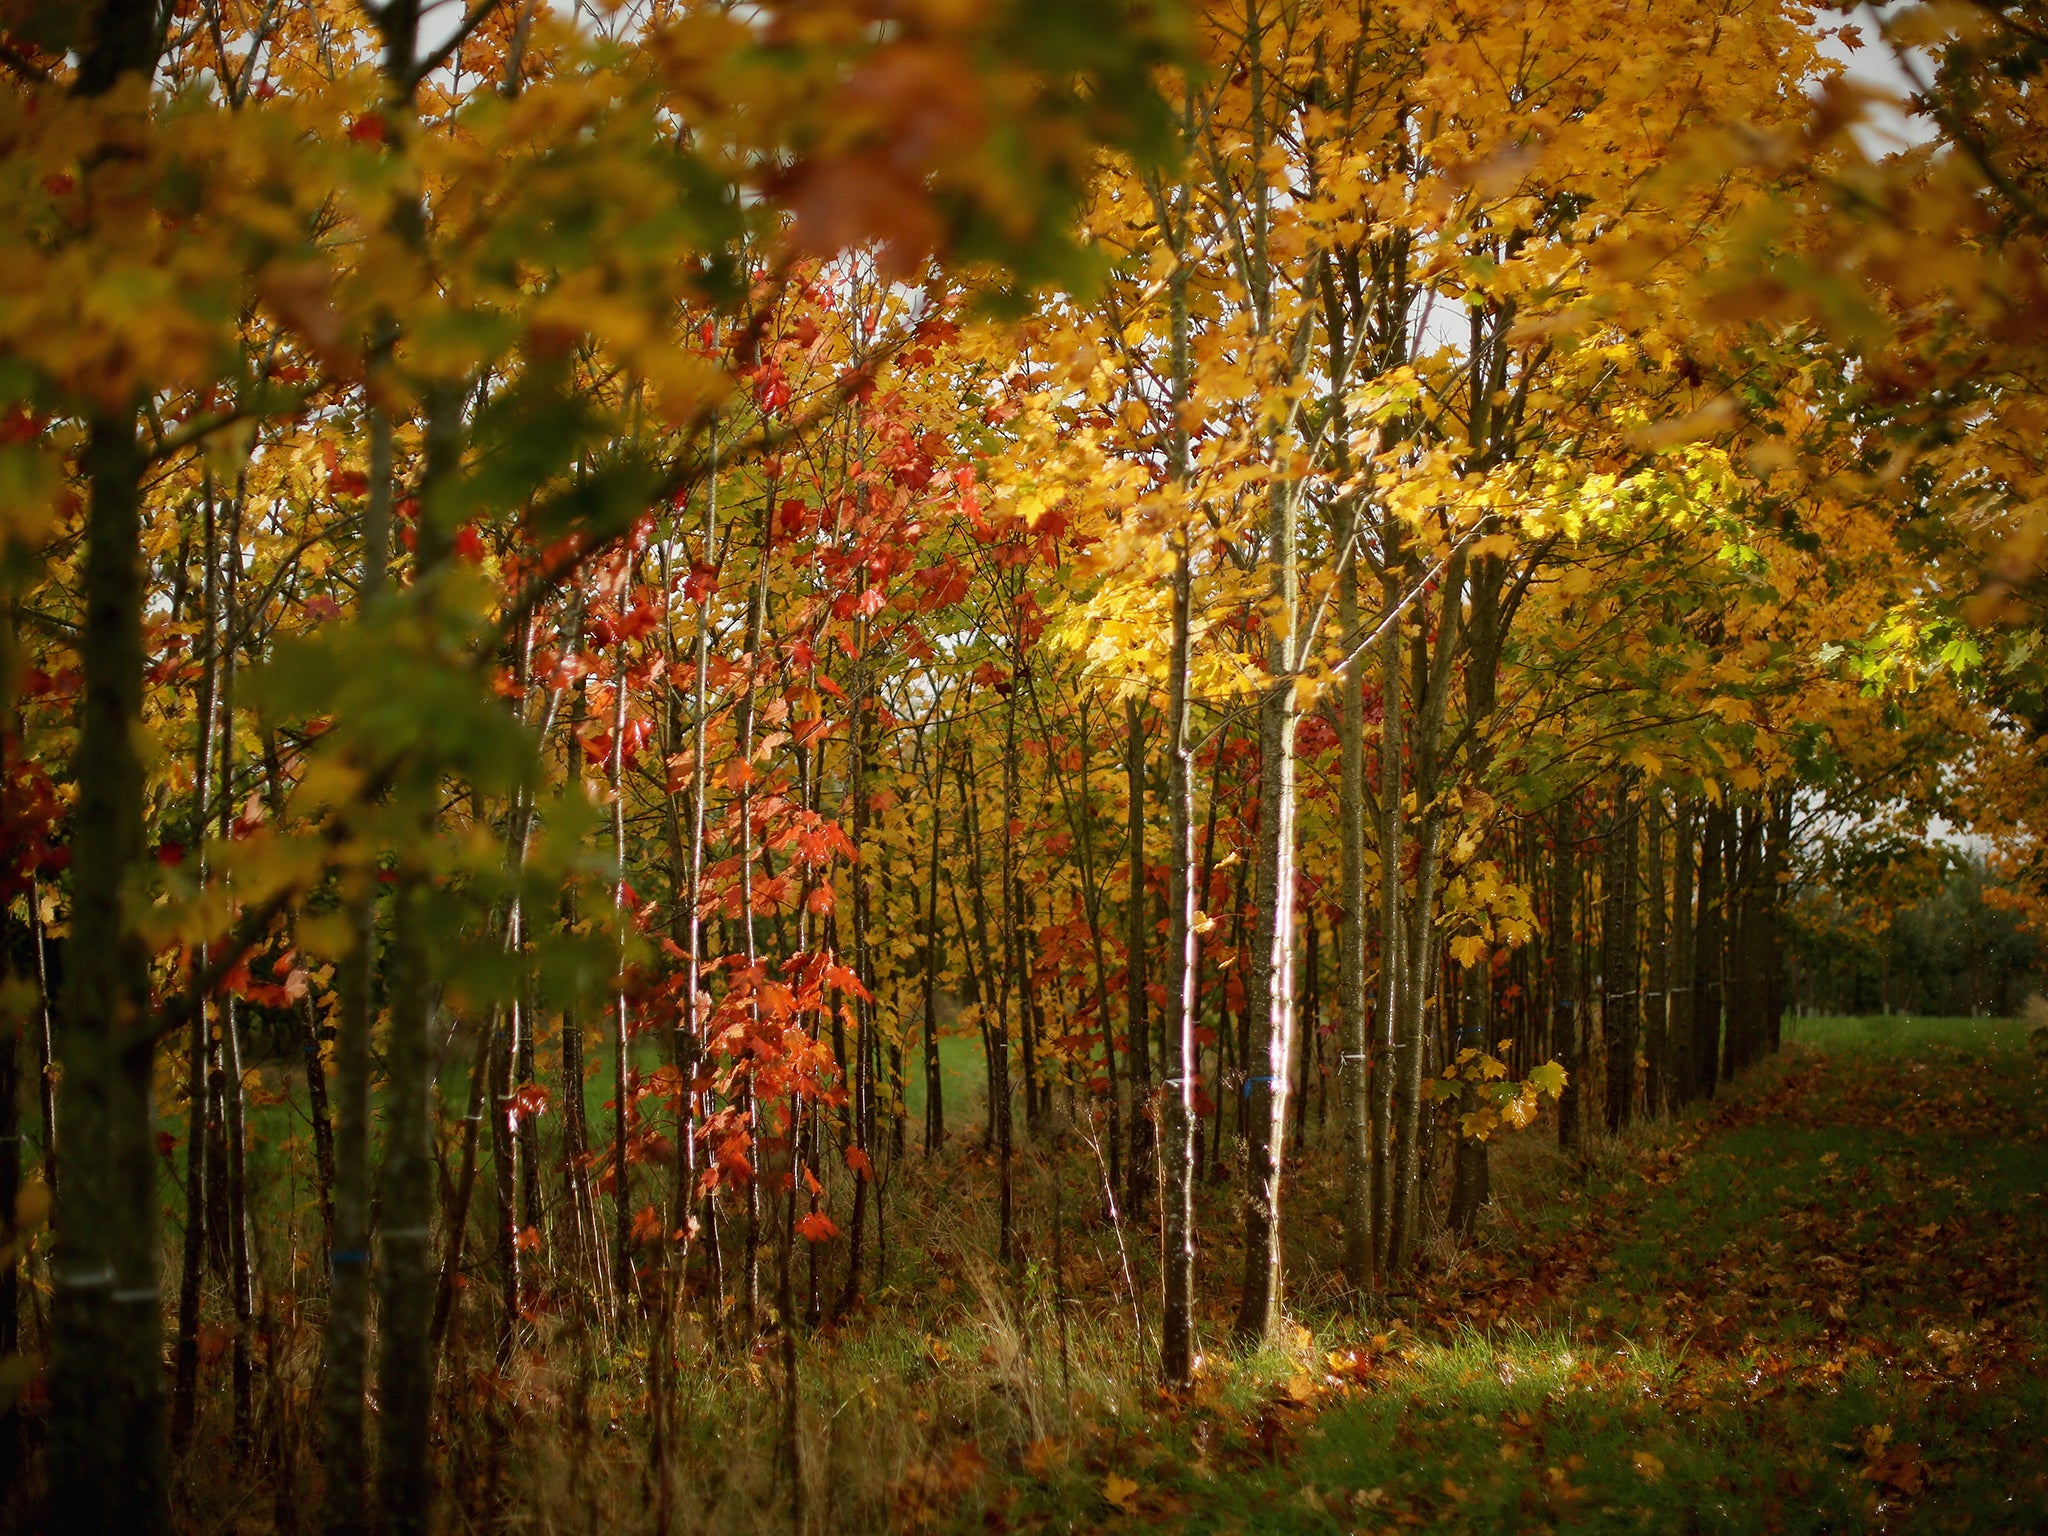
(622, 1058)
(1418, 971)
(1354, 1059)
(1269, 989)
(1618, 959)
(1678, 976)
(586, 1245)
(862, 1153)
(1656, 998)
(1137, 927)
(934, 1077)
(199, 1045)
(242, 1279)
(17, 954)
(1183, 990)
(999, 1086)
(456, 1219)
(757, 613)
(1471, 1177)
(1393, 963)
(1432, 685)
(46, 1044)
(505, 1151)
(1706, 976)
(1565, 995)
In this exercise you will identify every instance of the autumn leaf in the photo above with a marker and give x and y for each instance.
(816, 1227)
(1121, 1493)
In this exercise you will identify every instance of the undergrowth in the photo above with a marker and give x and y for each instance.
(1814, 1303)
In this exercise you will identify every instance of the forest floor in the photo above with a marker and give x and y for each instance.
(1815, 1304)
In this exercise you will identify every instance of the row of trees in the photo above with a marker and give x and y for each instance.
(608, 585)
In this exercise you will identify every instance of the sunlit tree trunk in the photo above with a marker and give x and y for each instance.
(1181, 1131)
(1269, 978)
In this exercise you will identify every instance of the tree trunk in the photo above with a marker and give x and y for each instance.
(1618, 958)
(1183, 1051)
(106, 1448)
(1656, 998)
(345, 1347)
(1137, 925)
(622, 1059)
(1354, 1077)
(1682, 1084)
(242, 1279)
(1564, 980)
(999, 1054)
(199, 1045)
(934, 1077)
(1707, 957)
(1392, 924)
(1269, 980)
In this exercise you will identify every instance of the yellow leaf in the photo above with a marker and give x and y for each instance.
(1469, 949)
(1121, 1492)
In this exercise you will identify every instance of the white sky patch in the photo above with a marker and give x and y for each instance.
(1888, 125)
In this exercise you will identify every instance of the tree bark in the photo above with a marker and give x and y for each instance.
(106, 1449)
(345, 1347)
(1564, 979)
(1656, 996)
(1181, 1131)
(1618, 958)
(1137, 927)
(199, 1044)
(1707, 955)
(1354, 1077)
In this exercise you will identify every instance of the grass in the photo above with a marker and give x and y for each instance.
(1814, 1304)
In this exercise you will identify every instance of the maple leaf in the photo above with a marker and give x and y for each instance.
(816, 1227)
(1121, 1493)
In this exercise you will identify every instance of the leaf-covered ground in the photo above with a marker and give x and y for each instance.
(1816, 1306)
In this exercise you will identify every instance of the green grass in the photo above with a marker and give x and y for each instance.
(1814, 1304)
(1891, 1034)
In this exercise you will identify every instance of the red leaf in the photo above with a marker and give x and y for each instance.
(816, 1226)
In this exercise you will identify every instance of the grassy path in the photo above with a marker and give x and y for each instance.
(1817, 1306)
